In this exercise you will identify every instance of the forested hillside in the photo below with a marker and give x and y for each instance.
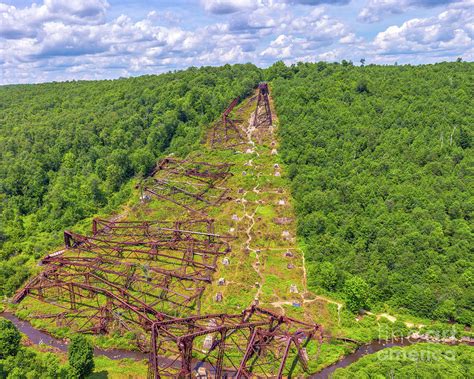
(381, 166)
(69, 149)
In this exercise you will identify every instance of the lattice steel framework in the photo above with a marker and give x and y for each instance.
(226, 132)
(263, 113)
(256, 343)
(191, 185)
(127, 274)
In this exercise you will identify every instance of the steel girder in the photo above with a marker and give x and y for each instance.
(226, 132)
(263, 114)
(194, 186)
(255, 343)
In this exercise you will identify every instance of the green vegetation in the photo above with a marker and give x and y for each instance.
(380, 159)
(81, 356)
(422, 360)
(9, 339)
(70, 149)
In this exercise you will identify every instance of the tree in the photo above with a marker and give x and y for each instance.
(357, 292)
(81, 356)
(362, 86)
(327, 276)
(9, 339)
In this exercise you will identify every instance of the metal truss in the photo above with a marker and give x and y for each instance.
(193, 186)
(226, 133)
(263, 114)
(255, 343)
(127, 274)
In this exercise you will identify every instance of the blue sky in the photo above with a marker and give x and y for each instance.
(60, 40)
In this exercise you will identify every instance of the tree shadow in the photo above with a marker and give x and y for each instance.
(99, 375)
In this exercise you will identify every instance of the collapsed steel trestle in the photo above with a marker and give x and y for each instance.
(144, 276)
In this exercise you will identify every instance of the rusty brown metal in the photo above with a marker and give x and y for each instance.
(191, 185)
(255, 343)
(263, 113)
(226, 132)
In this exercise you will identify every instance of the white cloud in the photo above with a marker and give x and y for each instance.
(376, 10)
(449, 33)
(228, 6)
(62, 40)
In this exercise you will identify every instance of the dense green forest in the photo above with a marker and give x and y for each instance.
(69, 149)
(423, 361)
(381, 160)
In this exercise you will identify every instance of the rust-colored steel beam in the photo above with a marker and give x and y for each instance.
(226, 132)
(262, 117)
(255, 343)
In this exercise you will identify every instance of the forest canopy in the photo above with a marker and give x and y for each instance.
(381, 159)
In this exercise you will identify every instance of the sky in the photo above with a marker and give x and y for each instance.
(57, 40)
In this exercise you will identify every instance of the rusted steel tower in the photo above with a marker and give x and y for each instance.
(226, 132)
(263, 114)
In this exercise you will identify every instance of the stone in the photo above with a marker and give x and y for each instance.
(290, 266)
(285, 234)
(277, 173)
(221, 282)
(207, 344)
(231, 230)
(276, 165)
(282, 220)
(293, 288)
(274, 152)
(244, 173)
(235, 217)
(289, 254)
(218, 298)
(226, 261)
(281, 202)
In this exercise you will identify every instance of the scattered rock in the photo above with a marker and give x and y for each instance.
(293, 288)
(274, 152)
(221, 282)
(276, 165)
(281, 202)
(219, 297)
(207, 344)
(235, 217)
(277, 173)
(290, 266)
(289, 254)
(285, 234)
(282, 220)
(226, 261)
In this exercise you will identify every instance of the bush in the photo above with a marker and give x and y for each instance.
(81, 356)
(9, 339)
(357, 292)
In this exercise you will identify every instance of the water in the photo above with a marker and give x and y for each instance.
(37, 337)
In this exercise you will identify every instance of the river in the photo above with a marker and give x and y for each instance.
(38, 337)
